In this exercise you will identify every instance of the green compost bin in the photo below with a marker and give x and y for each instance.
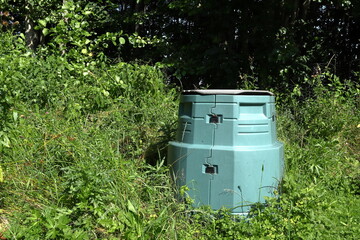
(226, 150)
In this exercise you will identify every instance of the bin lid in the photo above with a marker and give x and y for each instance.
(226, 92)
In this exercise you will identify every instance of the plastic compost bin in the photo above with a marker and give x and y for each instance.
(226, 150)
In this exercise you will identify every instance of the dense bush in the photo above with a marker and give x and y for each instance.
(73, 141)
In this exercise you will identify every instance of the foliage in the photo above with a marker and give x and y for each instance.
(77, 135)
(72, 135)
(217, 44)
(202, 43)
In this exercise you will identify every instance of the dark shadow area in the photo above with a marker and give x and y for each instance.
(158, 150)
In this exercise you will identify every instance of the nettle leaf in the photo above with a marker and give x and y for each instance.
(131, 207)
(5, 142)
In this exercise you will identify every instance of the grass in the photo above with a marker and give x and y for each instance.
(88, 178)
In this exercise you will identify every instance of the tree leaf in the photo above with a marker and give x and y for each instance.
(122, 40)
(42, 22)
(45, 31)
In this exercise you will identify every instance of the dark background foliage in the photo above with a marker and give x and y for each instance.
(219, 44)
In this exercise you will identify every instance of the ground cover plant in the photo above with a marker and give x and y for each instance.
(83, 153)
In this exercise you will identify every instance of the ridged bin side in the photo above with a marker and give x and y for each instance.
(226, 149)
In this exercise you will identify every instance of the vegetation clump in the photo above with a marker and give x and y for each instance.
(83, 134)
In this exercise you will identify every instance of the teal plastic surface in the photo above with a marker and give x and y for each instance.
(226, 150)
